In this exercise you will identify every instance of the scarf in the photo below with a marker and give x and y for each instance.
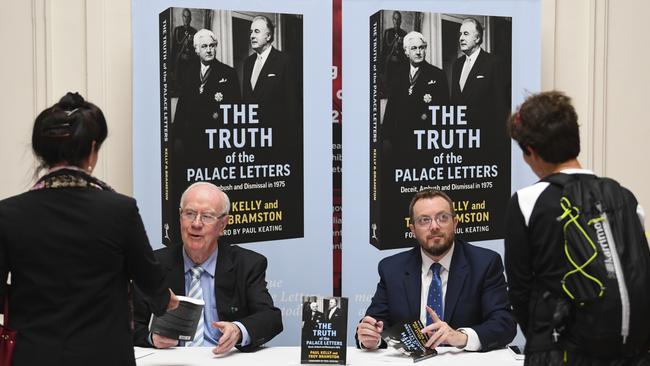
(70, 177)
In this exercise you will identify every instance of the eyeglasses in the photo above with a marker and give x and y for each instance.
(442, 219)
(205, 218)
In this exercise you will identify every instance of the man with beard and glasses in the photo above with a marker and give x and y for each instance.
(456, 289)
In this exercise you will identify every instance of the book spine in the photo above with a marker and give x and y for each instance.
(165, 123)
(375, 131)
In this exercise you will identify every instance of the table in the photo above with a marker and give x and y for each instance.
(198, 356)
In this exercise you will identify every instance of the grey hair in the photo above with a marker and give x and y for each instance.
(412, 36)
(203, 33)
(269, 26)
(224, 197)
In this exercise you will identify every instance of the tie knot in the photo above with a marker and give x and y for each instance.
(435, 268)
(197, 271)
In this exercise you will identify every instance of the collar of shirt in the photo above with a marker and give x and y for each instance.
(472, 58)
(413, 70)
(204, 68)
(264, 55)
(209, 266)
(445, 261)
(577, 171)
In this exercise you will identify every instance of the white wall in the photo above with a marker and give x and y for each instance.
(49, 48)
(594, 50)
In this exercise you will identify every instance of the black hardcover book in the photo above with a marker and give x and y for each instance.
(409, 340)
(179, 323)
(324, 330)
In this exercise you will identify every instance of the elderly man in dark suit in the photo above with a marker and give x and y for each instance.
(204, 87)
(417, 86)
(271, 82)
(238, 310)
(479, 82)
(457, 289)
(207, 84)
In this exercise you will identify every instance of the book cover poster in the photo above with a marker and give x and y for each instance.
(324, 330)
(231, 113)
(438, 120)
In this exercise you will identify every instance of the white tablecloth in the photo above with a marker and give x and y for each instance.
(195, 356)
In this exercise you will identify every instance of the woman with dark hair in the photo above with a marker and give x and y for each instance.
(72, 246)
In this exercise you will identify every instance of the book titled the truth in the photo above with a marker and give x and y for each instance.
(425, 133)
(179, 323)
(409, 340)
(324, 330)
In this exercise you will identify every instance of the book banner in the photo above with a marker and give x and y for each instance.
(430, 85)
(217, 100)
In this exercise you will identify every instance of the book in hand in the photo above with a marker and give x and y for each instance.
(409, 340)
(324, 330)
(179, 323)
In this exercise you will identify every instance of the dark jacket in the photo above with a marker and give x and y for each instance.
(71, 253)
(240, 290)
(476, 294)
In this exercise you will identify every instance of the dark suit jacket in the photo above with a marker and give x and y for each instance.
(335, 317)
(314, 318)
(276, 92)
(476, 294)
(408, 107)
(485, 93)
(240, 290)
(198, 108)
(71, 253)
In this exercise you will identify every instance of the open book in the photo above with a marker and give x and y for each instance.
(179, 323)
(409, 340)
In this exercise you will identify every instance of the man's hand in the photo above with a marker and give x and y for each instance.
(369, 332)
(440, 332)
(163, 342)
(173, 301)
(230, 335)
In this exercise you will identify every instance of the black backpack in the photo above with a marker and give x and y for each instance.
(607, 282)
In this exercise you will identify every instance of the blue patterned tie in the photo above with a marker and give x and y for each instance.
(434, 299)
(197, 292)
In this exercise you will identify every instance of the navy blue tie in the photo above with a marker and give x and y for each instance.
(434, 299)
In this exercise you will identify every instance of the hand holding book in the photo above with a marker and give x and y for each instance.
(440, 332)
(179, 323)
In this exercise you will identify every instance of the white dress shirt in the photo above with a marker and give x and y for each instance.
(473, 342)
(259, 62)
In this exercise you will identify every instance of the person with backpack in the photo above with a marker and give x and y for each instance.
(576, 256)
